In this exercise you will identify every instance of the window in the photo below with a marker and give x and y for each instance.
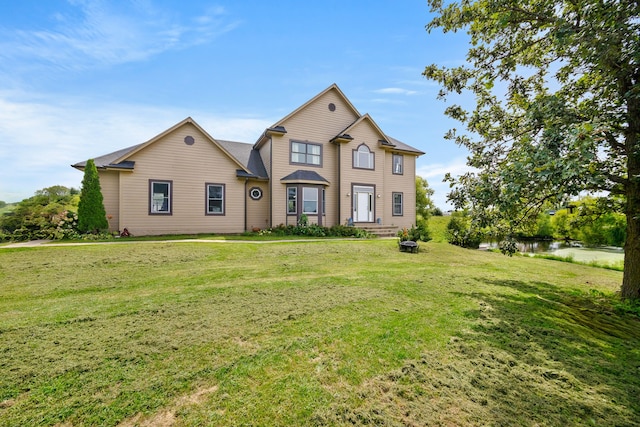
(215, 199)
(292, 196)
(397, 204)
(306, 153)
(397, 164)
(309, 200)
(324, 202)
(363, 158)
(255, 193)
(160, 197)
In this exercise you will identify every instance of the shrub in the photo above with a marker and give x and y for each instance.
(460, 232)
(38, 217)
(315, 230)
(415, 234)
(91, 213)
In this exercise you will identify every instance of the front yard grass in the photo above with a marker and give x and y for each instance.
(310, 333)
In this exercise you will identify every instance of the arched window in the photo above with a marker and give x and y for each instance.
(363, 158)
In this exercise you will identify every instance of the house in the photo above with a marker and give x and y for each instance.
(324, 160)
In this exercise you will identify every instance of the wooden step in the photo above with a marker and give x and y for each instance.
(380, 230)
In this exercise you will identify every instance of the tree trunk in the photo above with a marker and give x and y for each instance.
(631, 279)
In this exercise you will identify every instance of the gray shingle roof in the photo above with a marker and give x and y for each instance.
(246, 155)
(404, 147)
(303, 175)
(107, 160)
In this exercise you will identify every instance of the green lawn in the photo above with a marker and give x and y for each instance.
(310, 334)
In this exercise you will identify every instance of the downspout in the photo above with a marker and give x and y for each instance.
(246, 182)
(339, 187)
(270, 172)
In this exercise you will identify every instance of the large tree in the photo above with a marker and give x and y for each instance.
(92, 217)
(556, 110)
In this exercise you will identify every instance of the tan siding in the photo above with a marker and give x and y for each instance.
(364, 133)
(315, 124)
(404, 184)
(109, 184)
(189, 167)
(265, 155)
(258, 210)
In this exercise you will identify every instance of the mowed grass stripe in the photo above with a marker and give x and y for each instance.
(310, 333)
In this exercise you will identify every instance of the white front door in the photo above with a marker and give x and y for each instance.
(362, 204)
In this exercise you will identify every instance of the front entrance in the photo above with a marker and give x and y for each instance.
(363, 204)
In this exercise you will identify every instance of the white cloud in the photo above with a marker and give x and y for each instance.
(395, 91)
(40, 138)
(457, 166)
(104, 34)
(434, 174)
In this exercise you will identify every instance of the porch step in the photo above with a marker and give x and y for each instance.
(380, 230)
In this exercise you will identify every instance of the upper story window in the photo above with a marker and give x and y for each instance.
(398, 164)
(363, 158)
(306, 153)
(160, 197)
(215, 199)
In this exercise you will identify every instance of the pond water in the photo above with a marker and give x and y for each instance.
(603, 254)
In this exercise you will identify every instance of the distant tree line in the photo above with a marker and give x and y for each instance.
(592, 221)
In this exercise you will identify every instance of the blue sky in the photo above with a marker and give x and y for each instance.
(81, 78)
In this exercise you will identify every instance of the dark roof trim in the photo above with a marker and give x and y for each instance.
(278, 130)
(345, 137)
(127, 165)
(303, 176)
(244, 174)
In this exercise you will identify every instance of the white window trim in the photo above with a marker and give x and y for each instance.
(295, 201)
(393, 203)
(400, 163)
(306, 153)
(208, 198)
(156, 198)
(313, 193)
(371, 160)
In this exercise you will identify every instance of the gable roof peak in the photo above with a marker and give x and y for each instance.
(279, 123)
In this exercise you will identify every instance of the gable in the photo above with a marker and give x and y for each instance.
(318, 119)
(240, 154)
(365, 128)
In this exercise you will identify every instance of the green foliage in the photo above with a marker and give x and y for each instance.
(315, 230)
(303, 221)
(92, 217)
(419, 233)
(424, 204)
(591, 221)
(2, 204)
(461, 232)
(557, 99)
(544, 227)
(38, 217)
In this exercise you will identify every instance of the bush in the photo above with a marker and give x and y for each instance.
(38, 217)
(460, 232)
(315, 230)
(415, 234)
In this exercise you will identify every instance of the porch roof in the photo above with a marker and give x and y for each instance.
(304, 177)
